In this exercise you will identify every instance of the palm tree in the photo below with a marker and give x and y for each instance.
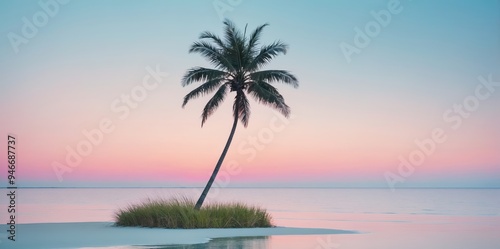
(238, 62)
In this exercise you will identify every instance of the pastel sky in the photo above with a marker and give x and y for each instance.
(392, 93)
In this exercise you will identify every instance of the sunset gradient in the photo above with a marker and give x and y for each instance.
(94, 97)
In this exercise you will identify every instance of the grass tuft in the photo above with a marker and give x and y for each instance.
(179, 213)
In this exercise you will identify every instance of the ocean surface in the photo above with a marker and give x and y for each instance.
(405, 218)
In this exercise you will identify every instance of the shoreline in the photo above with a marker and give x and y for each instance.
(106, 234)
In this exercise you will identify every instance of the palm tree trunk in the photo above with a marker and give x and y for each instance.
(217, 167)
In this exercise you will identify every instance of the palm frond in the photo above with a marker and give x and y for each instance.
(231, 33)
(266, 94)
(213, 103)
(214, 38)
(214, 55)
(266, 54)
(205, 88)
(275, 76)
(254, 39)
(236, 45)
(196, 74)
(241, 108)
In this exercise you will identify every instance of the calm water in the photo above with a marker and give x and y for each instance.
(406, 218)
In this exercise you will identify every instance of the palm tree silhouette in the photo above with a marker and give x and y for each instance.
(238, 61)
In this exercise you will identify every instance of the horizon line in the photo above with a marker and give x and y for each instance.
(277, 187)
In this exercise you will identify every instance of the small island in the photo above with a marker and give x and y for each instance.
(179, 213)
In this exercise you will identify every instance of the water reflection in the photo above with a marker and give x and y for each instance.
(224, 243)
(219, 243)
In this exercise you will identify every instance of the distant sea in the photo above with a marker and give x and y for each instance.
(405, 218)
